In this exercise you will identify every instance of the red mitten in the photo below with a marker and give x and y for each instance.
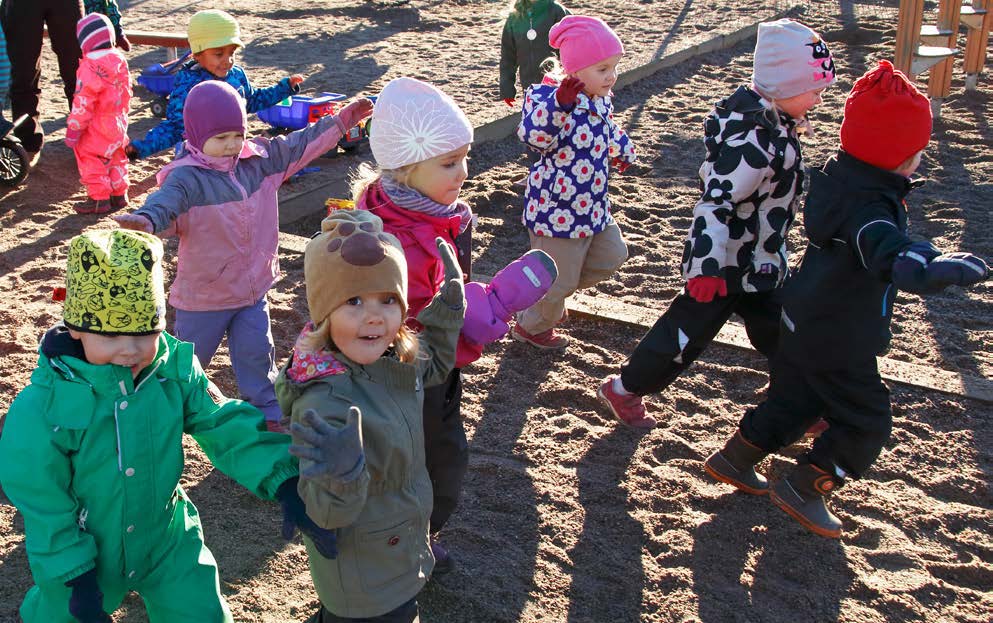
(621, 165)
(356, 111)
(704, 289)
(509, 101)
(567, 92)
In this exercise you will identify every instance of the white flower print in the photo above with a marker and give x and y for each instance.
(539, 139)
(583, 136)
(531, 210)
(540, 229)
(564, 156)
(544, 201)
(569, 124)
(539, 115)
(582, 170)
(582, 203)
(596, 215)
(564, 187)
(599, 182)
(581, 231)
(599, 147)
(547, 171)
(595, 119)
(417, 131)
(537, 175)
(615, 150)
(559, 118)
(561, 220)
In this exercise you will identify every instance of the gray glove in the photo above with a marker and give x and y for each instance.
(336, 453)
(452, 292)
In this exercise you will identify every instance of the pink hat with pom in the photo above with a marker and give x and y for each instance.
(583, 41)
(95, 32)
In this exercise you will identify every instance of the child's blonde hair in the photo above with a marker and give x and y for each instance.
(552, 67)
(367, 175)
(405, 345)
(519, 8)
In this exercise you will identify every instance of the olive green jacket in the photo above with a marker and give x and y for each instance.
(86, 451)
(517, 52)
(382, 516)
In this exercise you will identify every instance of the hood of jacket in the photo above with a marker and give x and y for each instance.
(830, 200)
(736, 115)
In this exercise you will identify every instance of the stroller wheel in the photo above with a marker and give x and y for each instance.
(13, 163)
(159, 106)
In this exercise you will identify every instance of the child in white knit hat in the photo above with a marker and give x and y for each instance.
(734, 258)
(420, 139)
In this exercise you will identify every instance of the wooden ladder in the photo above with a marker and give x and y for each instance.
(977, 18)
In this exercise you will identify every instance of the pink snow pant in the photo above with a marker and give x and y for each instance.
(103, 169)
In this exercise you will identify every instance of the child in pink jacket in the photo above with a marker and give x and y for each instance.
(219, 198)
(97, 129)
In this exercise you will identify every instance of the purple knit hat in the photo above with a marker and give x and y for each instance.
(95, 32)
(583, 41)
(211, 108)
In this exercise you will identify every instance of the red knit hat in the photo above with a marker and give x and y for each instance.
(887, 120)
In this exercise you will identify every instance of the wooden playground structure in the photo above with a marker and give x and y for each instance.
(933, 47)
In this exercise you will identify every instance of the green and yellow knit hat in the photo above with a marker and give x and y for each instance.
(114, 283)
(212, 29)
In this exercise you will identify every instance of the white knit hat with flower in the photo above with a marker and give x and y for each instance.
(413, 122)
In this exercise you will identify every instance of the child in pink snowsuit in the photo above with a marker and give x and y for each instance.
(98, 124)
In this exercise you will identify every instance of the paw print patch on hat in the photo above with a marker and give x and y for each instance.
(352, 256)
(114, 283)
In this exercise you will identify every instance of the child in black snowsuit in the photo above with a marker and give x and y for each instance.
(837, 307)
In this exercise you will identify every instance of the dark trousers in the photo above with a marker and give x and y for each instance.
(407, 613)
(685, 330)
(854, 401)
(23, 22)
(446, 449)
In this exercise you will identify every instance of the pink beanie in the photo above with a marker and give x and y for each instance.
(95, 32)
(790, 59)
(583, 41)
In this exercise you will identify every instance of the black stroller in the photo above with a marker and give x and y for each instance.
(13, 158)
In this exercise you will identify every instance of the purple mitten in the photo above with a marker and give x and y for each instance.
(481, 325)
(521, 283)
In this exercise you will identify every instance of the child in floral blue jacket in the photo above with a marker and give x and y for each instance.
(566, 208)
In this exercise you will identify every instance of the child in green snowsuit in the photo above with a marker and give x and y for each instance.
(92, 449)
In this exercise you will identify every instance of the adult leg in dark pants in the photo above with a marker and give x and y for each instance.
(23, 23)
(446, 452)
(687, 328)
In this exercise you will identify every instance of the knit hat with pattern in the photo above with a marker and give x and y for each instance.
(95, 32)
(114, 283)
(352, 256)
(887, 120)
(583, 41)
(212, 29)
(414, 121)
(790, 59)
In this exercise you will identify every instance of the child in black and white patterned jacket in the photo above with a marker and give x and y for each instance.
(734, 258)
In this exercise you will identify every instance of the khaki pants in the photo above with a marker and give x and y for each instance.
(581, 262)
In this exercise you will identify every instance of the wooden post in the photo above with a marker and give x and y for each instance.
(908, 33)
(939, 83)
(975, 45)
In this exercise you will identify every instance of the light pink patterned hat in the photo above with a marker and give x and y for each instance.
(413, 122)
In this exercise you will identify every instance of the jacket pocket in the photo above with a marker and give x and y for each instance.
(387, 552)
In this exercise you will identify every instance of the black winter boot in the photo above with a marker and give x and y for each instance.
(735, 463)
(801, 494)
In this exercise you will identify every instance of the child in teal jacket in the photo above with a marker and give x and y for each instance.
(93, 449)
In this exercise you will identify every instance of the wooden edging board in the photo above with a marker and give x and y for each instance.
(295, 206)
(733, 334)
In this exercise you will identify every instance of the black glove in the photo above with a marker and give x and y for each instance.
(295, 517)
(922, 269)
(86, 601)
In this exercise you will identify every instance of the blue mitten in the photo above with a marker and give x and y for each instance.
(956, 269)
(922, 269)
(335, 453)
(295, 517)
(86, 600)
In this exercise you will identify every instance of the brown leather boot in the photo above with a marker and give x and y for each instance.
(801, 494)
(735, 463)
